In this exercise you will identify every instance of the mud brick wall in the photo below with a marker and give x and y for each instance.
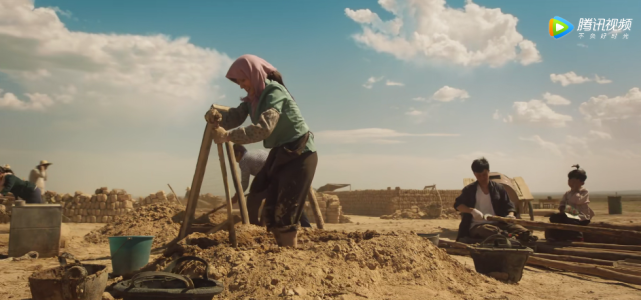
(330, 207)
(385, 202)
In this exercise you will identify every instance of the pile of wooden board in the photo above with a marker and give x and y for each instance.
(610, 261)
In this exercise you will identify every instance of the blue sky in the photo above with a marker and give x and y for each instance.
(112, 103)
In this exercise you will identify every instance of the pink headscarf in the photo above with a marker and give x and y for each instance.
(256, 70)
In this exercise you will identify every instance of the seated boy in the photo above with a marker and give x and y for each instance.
(486, 197)
(573, 208)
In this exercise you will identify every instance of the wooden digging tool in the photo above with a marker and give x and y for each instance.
(175, 195)
(233, 166)
(318, 216)
(192, 202)
(230, 216)
(595, 230)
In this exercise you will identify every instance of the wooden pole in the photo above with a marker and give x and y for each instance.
(232, 230)
(584, 269)
(590, 229)
(201, 164)
(320, 223)
(233, 166)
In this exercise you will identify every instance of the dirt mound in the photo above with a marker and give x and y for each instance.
(155, 219)
(327, 264)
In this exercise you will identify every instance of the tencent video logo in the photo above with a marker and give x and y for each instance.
(560, 27)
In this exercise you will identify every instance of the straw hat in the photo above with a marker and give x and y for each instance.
(44, 163)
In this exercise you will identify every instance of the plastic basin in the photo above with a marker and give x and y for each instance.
(129, 253)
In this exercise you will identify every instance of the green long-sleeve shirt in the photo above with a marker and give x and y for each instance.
(17, 186)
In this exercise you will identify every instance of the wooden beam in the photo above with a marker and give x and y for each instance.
(233, 166)
(232, 230)
(590, 229)
(201, 165)
(318, 216)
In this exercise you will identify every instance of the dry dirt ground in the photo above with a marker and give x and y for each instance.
(537, 283)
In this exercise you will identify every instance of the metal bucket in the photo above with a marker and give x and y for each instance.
(433, 237)
(504, 261)
(75, 281)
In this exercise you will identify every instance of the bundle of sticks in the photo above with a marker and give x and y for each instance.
(609, 261)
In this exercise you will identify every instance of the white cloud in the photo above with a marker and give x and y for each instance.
(62, 12)
(428, 29)
(549, 146)
(555, 99)
(568, 78)
(36, 101)
(447, 94)
(371, 81)
(370, 135)
(421, 99)
(603, 109)
(600, 135)
(537, 112)
(414, 112)
(392, 83)
(496, 115)
(601, 80)
(582, 45)
(123, 73)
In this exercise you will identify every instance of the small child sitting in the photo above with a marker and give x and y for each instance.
(573, 208)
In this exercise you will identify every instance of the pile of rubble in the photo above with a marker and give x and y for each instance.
(330, 208)
(328, 264)
(6, 202)
(416, 212)
(155, 220)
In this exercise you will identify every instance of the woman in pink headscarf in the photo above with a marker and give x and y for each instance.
(287, 175)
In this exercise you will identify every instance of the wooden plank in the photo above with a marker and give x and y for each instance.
(593, 245)
(596, 230)
(585, 252)
(575, 259)
(232, 230)
(320, 223)
(598, 271)
(201, 165)
(235, 175)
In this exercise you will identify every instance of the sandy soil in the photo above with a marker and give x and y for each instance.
(536, 283)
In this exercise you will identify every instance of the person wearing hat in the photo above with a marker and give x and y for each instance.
(38, 176)
(7, 169)
(24, 190)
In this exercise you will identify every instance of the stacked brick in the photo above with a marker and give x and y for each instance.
(330, 207)
(386, 202)
(159, 197)
(102, 207)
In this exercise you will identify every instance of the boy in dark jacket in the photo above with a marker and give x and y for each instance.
(485, 197)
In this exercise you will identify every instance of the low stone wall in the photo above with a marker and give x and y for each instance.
(385, 202)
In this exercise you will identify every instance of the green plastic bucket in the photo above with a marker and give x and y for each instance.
(129, 253)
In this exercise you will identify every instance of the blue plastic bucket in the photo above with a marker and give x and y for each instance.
(129, 253)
